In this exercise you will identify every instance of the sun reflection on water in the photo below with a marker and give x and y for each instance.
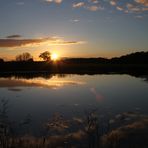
(54, 83)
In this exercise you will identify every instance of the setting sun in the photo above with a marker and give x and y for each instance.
(54, 57)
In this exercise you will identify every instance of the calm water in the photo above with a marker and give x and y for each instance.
(71, 96)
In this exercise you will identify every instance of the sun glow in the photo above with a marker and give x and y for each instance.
(54, 57)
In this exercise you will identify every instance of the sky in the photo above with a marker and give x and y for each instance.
(73, 28)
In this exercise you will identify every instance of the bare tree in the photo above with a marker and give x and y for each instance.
(24, 57)
(46, 56)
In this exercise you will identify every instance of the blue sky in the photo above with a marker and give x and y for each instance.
(73, 28)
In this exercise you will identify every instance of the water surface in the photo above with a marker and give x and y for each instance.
(71, 95)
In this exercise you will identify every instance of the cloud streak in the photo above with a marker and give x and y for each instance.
(91, 5)
(113, 2)
(134, 6)
(94, 1)
(143, 2)
(13, 36)
(15, 42)
(78, 5)
(93, 8)
(74, 20)
(54, 1)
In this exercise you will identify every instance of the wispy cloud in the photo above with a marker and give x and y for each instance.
(54, 1)
(94, 1)
(93, 8)
(19, 42)
(58, 1)
(78, 5)
(15, 42)
(15, 84)
(145, 9)
(74, 20)
(91, 5)
(113, 2)
(143, 2)
(134, 6)
(13, 36)
(119, 8)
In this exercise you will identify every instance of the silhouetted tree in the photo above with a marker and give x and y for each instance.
(24, 57)
(46, 56)
(1, 60)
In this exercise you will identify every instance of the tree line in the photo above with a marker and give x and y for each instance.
(133, 58)
(27, 57)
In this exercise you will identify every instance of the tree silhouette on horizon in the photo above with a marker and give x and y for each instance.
(46, 56)
(24, 57)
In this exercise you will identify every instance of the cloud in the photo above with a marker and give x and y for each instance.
(133, 8)
(19, 42)
(113, 2)
(78, 5)
(16, 84)
(145, 9)
(143, 2)
(94, 1)
(54, 1)
(92, 5)
(14, 36)
(58, 1)
(14, 42)
(74, 20)
(119, 8)
(49, 1)
(93, 8)
(66, 42)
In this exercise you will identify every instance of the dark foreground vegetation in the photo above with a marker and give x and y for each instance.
(132, 63)
(125, 130)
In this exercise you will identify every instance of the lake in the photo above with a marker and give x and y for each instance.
(30, 103)
(71, 95)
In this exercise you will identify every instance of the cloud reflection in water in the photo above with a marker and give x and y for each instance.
(15, 84)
